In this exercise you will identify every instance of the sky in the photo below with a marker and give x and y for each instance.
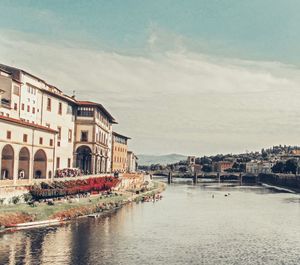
(196, 77)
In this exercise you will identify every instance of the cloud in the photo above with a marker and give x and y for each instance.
(172, 100)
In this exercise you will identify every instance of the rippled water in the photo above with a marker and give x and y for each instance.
(250, 226)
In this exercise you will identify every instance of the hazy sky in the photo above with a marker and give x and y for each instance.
(192, 77)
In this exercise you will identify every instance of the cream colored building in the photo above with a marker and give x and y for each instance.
(38, 102)
(119, 152)
(132, 162)
(43, 130)
(257, 167)
(93, 138)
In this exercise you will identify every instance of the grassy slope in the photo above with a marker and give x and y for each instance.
(44, 211)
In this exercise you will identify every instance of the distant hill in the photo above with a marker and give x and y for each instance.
(146, 160)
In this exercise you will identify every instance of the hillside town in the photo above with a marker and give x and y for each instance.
(277, 159)
(46, 134)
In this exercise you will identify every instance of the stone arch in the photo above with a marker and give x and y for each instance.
(24, 163)
(84, 159)
(40, 164)
(7, 162)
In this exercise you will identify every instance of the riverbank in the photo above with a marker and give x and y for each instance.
(13, 215)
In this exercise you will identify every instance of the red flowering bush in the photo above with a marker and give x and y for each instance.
(73, 187)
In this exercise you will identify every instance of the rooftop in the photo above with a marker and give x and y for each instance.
(98, 105)
(121, 136)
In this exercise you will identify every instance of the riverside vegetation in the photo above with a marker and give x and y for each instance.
(72, 208)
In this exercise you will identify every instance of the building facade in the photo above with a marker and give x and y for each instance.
(221, 166)
(132, 162)
(119, 153)
(258, 167)
(93, 138)
(43, 130)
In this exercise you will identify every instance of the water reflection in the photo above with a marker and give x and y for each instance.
(252, 225)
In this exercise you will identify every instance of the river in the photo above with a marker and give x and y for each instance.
(190, 225)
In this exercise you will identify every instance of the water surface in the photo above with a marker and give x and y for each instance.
(252, 225)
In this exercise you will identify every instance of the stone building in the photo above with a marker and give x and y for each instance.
(93, 138)
(119, 152)
(132, 162)
(43, 130)
(258, 167)
(221, 166)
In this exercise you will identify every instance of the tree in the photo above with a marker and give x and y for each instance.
(182, 169)
(279, 167)
(291, 166)
(207, 168)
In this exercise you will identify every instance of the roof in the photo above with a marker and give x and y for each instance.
(120, 135)
(15, 73)
(5, 71)
(27, 124)
(98, 105)
(131, 152)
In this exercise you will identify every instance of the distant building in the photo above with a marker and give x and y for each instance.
(258, 167)
(132, 162)
(191, 160)
(119, 152)
(221, 166)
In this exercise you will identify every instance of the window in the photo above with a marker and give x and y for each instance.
(85, 112)
(60, 108)
(58, 143)
(15, 106)
(25, 138)
(69, 162)
(49, 104)
(23, 106)
(84, 136)
(28, 108)
(51, 142)
(59, 133)
(33, 110)
(41, 140)
(58, 162)
(8, 135)
(70, 136)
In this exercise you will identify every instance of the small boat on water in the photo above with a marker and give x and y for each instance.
(94, 215)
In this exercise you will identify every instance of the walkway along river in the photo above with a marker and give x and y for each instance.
(193, 224)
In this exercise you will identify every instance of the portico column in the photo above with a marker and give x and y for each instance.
(101, 164)
(75, 160)
(93, 164)
(16, 167)
(30, 172)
